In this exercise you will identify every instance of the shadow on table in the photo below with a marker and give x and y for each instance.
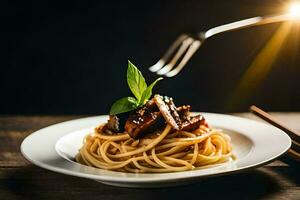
(292, 172)
(35, 183)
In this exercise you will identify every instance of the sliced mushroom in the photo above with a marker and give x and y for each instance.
(142, 121)
(193, 123)
(113, 124)
(184, 112)
(166, 112)
(173, 110)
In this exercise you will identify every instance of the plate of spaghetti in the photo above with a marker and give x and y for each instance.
(148, 141)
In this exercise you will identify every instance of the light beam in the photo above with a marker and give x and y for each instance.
(260, 67)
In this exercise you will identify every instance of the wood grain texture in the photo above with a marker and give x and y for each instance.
(21, 180)
(13, 129)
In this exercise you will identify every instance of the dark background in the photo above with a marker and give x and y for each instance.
(71, 57)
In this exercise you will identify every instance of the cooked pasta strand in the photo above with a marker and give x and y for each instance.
(167, 152)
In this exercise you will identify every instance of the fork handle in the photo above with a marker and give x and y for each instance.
(254, 21)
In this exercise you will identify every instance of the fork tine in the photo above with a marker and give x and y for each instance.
(192, 49)
(182, 49)
(169, 52)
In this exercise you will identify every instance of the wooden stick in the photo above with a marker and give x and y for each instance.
(268, 118)
(293, 154)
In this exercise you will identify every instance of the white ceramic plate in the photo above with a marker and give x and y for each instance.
(55, 147)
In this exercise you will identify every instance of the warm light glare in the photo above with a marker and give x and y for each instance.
(294, 10)
(260, 66)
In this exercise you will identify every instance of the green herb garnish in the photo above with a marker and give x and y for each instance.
(138, 87)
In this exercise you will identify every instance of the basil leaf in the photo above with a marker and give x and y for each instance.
(136, 81)
(123, 105)
(148, 92)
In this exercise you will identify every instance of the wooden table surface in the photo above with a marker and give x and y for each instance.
(21, 180)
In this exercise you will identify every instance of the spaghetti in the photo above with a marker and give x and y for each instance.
(167, 151)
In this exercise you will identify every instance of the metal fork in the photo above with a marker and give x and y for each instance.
(185, 45)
